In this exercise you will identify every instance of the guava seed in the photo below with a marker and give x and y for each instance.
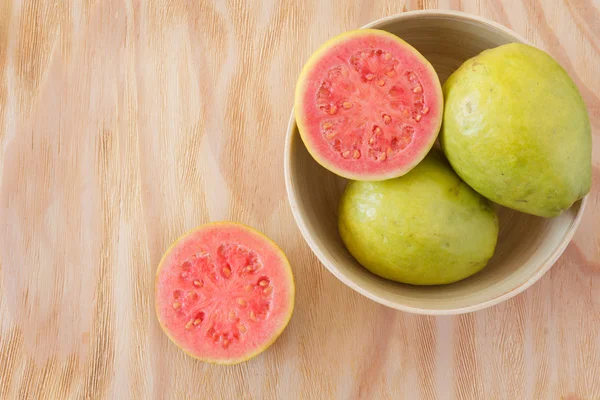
(198, 284)
(192, 296)
(268, 290)
(242, 328)
(186, 265)
(242, 302)
(337, 144)
(176, 305)
(323, 92)
(347, 105)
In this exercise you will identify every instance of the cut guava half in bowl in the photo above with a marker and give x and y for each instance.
(368, 105)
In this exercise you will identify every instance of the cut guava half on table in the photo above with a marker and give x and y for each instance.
(368, 105)
(224, 292)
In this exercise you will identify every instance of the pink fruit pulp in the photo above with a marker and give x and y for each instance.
(224, 292)
(368, 105)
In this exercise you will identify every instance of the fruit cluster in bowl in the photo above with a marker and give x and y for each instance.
(513, 131)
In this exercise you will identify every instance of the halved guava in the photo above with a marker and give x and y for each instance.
(368, 105)
(224, 292)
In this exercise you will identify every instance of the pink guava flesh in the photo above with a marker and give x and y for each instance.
(368, 105)
(224, 292)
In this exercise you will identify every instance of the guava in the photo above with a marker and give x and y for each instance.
(224, 292)
(427, 227)
(368, 105)
(516, 129)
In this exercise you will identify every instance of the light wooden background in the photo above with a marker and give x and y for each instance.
(124, 123)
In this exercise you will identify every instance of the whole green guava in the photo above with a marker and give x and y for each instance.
(425, 228)
(516, 129)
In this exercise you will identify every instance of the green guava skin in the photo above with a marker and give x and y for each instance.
(424, 228)
(516, 129)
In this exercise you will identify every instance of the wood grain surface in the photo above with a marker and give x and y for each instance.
(125, 123)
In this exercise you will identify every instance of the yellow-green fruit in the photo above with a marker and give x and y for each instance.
(425, 228)
(516, 129)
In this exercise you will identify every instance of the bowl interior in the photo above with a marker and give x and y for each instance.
(527, 245)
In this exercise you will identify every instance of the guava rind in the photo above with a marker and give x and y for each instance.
(516, 129)
(425, 228)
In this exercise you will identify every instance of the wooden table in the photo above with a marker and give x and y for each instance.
(125, 123)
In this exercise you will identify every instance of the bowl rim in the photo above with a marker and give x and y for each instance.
(331, 267)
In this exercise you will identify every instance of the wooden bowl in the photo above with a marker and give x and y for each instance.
(527, 246)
